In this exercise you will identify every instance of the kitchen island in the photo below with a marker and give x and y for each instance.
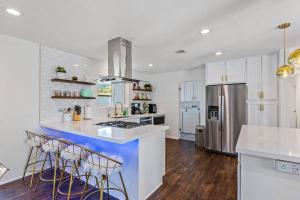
(268, 163)
(142, 149)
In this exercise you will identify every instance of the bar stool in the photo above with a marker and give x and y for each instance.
(35, 141)
(101, 166)
(71, 154)
(52, 146)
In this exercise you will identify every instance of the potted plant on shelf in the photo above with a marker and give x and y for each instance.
(148, 87)
(60, 72)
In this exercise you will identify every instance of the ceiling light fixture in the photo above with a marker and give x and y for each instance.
(150, 65)
(294, 57)
(205, 31)
(286, 69)
(13, 11)
(76, 65)
(218, 53)
(180, 51)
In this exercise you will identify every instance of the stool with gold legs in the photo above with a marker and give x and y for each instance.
(52, 146)
(101, 166)
(72, 154)
(35, 141)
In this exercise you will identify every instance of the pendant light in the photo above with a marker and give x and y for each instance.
(294, 57)
(286, 69)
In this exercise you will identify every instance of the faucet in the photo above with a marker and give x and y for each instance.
(116, 107)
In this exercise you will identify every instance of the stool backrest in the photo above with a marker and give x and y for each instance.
(73, 148)
(37, 138)
(103, 162)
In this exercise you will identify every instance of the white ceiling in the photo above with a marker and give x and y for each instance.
(157, 28)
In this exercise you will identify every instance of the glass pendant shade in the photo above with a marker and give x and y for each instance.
(285, 70)
(294, 57)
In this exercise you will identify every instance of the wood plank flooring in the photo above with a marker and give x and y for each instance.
(195, 174)
(191, 174)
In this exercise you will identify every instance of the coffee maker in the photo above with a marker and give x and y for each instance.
(135, 108)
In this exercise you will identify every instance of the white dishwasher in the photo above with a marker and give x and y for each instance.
(190, 119)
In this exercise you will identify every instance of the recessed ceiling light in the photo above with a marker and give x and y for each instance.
(13, 11)
(205, 31)
(76, 65)
(218, 53)
(150, 65)
(180, 51)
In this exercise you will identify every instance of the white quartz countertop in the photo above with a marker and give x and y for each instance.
(111, 134)
(270, 142)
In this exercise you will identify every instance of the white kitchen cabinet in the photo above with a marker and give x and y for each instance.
(269, 79)
(230, 71)
(236, 71)
(263, 113)
(261, 77)
(189, 121)
(215, 73)
(197, 90)
(182, 91)
(189, 91)
(254, 77)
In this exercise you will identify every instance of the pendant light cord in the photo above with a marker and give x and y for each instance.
(284, 53)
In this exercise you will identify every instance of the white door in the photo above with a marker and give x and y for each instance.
(182, 92)
(188, 91)
(236, 71)
(215, 73)
(269, 114)
(269, 79)
(254, 77)
(253, 114)
(197, 90)
(189, 121)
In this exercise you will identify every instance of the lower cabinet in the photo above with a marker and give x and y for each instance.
(263, 113)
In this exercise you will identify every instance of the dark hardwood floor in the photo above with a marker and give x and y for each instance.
(191, 174)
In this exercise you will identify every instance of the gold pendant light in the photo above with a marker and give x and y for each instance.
(286, 69)
(294, 57)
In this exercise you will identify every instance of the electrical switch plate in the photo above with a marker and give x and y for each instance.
(287, 167)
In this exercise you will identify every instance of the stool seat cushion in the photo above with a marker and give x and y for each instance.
(34, 142)
(71, 152)
(52, 146)
(99, 165)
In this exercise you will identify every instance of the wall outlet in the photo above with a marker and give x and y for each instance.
(287, 167)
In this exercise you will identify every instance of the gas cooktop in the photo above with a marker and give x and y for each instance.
(121, 124)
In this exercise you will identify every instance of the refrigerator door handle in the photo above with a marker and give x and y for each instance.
(220, 112)
(222, 109)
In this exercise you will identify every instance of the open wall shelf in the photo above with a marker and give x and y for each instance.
(72, 81)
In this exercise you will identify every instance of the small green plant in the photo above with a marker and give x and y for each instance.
(60, 69)
(148, 87)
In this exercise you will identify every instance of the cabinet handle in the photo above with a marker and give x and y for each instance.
(261, 107)
(222, 79)
(226, 78)
(262, 95)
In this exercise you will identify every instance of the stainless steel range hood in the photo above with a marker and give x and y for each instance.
(119, 61)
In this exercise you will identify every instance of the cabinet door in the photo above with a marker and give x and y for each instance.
(253, 114)
(189, 121)
(182, 91)
(215, 73)
(269, 115)
(189, 91)
(269, 79)
(236, 71)
(197, 90)
(254, 77)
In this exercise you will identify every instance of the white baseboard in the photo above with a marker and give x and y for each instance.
(176, 137)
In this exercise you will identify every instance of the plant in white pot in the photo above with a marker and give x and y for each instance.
(60, 72)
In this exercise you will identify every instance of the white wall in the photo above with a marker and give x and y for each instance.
(19, 101)
(166, 95)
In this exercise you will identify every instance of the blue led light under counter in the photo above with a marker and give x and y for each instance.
(128, 151)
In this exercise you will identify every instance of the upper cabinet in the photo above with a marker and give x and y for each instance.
(190, 91)
(261, 78)
(226, 72)
(215, 73)
(236, 71)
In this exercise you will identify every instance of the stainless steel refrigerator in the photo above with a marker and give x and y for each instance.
(225, 115)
